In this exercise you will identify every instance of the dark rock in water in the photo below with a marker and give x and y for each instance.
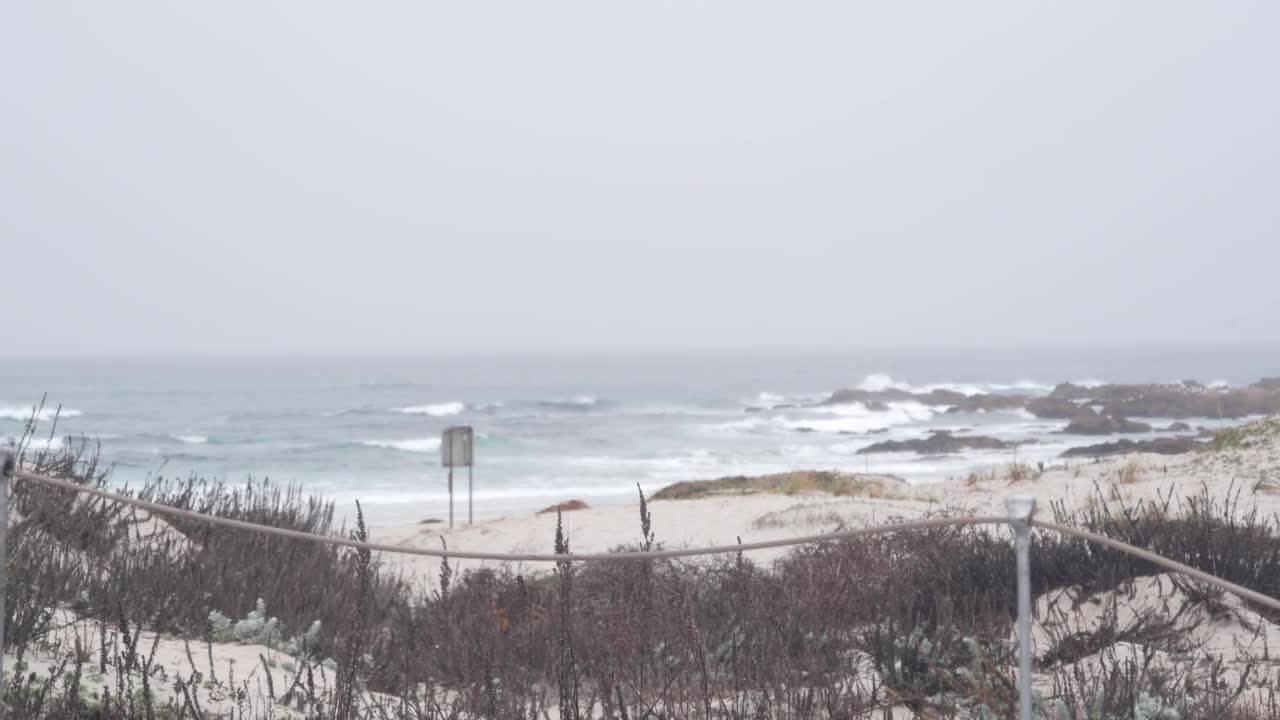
(1178, 427)
(1162, 446)
(940, 442)
(758, 408)
(1071, 391)
(844, 397)
(805, 429)
(1178, 400)
(1053, 408)
(957, 401)
(1186, 399)
(566, 506)
(430, 521)
(1090, 423)
(987, 403)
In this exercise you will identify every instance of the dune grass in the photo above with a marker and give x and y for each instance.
(790, 483)
(841, 630)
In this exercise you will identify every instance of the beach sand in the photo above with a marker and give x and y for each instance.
(726, 519)
(1251, 473)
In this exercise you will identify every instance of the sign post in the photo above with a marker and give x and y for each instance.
(457, 450)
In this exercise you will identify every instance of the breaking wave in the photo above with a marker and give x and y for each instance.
(414, 445)
(437, 410)
(191, 439)
(879, 382)
(577, 402)
(36, 444)
(851, 418)
(22, 413)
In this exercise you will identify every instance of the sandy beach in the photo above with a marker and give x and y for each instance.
(726, 519)
(1246, 471)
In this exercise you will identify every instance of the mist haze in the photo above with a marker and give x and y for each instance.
(308, 177)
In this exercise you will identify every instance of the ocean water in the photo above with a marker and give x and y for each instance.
(551, 427)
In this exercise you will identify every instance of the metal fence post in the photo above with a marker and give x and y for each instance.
(8, 463)
(1021, 508)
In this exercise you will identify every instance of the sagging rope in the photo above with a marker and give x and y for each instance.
(500, 557)
(926, 524)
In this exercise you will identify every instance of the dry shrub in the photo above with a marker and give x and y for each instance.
(845, 629)
(1019, 472)
(1129, 473)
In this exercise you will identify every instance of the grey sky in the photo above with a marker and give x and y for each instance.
(271, 177)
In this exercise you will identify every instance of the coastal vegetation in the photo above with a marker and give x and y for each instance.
(113, 613)
(791, 483)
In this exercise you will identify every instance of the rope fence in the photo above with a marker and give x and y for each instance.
(1020, 517)
(914, 525)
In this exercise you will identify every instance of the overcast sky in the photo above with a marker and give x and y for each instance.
(337, 177)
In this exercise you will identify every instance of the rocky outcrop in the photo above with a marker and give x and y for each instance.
(1053, 408)
(1091, 423)
(987, 403)
(1187, 399)
(955, 401)
(1179, 400)
(1178, 427)
(1160, 446)
(940, 442)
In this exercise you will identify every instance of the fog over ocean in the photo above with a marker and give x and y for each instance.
(549, 427)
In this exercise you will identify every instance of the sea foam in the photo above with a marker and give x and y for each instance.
(22, 413)
(437, 410)
(577, 402)
(191, 439)
(879, 382)
(37, 444)
(858, 418)
(414, 445)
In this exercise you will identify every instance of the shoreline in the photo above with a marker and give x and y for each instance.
(721, 519)
(1243, 466)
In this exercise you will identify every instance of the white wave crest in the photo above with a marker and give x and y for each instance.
(851, 418)
(35, 444)
(22, 413)
(857, 418)
(879, 382)
(437, 410)
(191, 439)
(1220, 384)
(414, 445)
(580, 402)
(1022, 385)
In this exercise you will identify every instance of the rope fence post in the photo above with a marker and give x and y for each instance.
(1021, 508)
(7, 465)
